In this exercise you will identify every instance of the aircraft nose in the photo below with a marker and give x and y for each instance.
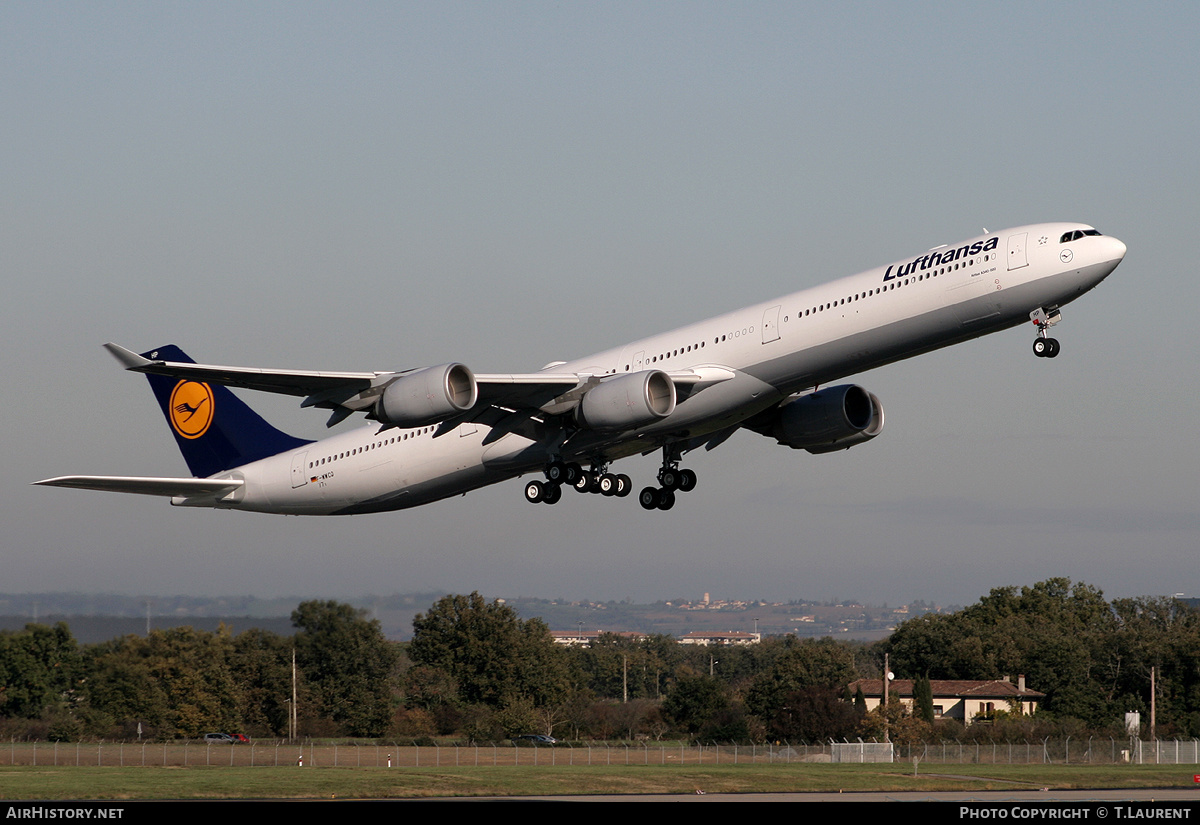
(1118, 248)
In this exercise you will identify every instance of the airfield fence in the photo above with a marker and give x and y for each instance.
(382, 755)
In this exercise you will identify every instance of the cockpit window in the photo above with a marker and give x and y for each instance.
(1077, 234)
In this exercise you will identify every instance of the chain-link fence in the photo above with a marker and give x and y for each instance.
(1057, 751)
(398, 754)
(862, 751)
(280, 753)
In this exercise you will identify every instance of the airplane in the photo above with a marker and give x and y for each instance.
(442, 431)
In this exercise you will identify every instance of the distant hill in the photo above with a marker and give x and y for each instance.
(92, 629)
(99, 617)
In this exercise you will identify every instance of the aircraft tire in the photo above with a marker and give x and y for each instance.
(649, 498)
(535, 491)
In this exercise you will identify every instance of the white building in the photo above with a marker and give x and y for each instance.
(959, 699)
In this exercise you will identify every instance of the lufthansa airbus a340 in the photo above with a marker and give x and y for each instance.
(443, 431)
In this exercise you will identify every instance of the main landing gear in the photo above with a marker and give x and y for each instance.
(560, 474)
(1043, 345)
(671, 479)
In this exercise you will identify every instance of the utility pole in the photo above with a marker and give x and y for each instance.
(292, 721)
(624, 678)
(887, 679)
(1153, 696)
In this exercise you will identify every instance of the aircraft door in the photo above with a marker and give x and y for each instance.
(1016, 251)
(299, 470)
(770, 325)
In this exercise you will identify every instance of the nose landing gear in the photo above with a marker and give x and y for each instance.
(1045, 346)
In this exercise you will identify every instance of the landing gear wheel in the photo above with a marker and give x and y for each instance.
(666, 500)
(608, 484)
(670, 476)
(574, 471)
(649, 498)
(583, 482)
(624, 485)
(552, 493)
(556, 472)
(535, 491)
(1046, 347)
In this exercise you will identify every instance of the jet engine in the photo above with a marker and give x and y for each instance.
(627, 402)
(427, 396)
(835, 418)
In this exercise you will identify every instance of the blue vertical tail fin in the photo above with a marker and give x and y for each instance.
(215, 430)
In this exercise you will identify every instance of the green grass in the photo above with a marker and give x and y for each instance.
(103, 783)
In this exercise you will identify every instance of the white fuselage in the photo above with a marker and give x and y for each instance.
(774, 349)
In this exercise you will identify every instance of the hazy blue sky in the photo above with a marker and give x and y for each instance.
(388, 185)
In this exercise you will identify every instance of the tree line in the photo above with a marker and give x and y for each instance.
(183, 683)
(476, 671)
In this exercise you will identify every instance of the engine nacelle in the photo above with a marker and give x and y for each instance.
(835, 418)
(427, 396)
(627, 402)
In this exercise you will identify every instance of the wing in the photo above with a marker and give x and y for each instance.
(350, 392)
(171, 487)
(288, 382)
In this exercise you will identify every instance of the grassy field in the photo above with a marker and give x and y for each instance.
(393, 783)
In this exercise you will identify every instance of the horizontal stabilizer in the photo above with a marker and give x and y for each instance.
(170, 487)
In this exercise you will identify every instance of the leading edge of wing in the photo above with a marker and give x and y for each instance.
(523, 390)
(288, 382)
(356, 390)
(142, 485)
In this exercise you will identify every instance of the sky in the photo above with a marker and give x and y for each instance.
(379, 186)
